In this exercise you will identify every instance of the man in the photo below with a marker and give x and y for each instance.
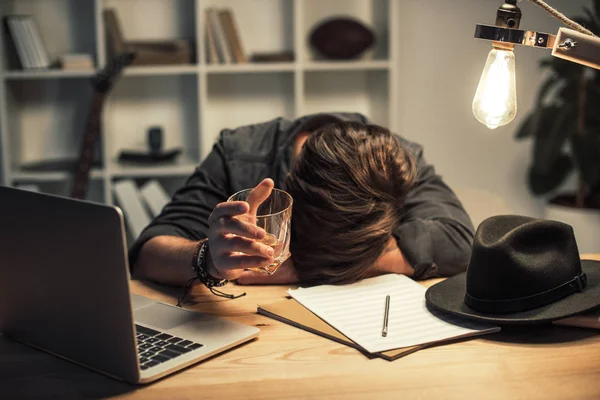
(365, 203)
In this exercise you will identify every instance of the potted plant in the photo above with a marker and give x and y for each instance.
(565, 128)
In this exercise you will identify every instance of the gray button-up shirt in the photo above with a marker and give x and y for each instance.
(435, 233)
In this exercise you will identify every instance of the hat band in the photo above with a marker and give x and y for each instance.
(577, 284)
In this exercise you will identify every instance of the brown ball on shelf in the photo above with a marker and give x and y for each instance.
(341, 38)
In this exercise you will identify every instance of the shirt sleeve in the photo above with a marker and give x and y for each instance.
(186, 215)
(435, 233)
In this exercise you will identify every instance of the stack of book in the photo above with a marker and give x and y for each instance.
(223, 42)
(140, 204)
(27, 42)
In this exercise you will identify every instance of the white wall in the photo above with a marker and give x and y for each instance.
(440, 64)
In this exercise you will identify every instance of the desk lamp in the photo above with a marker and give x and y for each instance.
(495, 102)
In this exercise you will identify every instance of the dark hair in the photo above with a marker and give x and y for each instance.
(349, 184)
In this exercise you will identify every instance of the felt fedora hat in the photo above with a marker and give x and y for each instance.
(522, 270)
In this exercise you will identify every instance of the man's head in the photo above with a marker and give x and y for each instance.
(348, 184)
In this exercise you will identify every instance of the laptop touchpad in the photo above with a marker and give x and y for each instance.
(162, 316)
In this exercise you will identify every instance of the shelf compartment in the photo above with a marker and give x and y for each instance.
(138, 103)
(365, 92)
(256, 37)
(372, 13)
(240, 99)
(155, 20)
(74, 34)
(47, 119)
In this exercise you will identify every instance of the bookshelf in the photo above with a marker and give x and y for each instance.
(43, 113)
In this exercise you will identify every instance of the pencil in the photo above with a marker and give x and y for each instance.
(386, 313)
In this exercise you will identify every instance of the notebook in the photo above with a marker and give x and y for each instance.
(356, 310)
(291, 312)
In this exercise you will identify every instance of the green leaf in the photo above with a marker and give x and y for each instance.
(569, 93)
(550, 138)
(552, 81)
(542, 183)
(586, 154)
(526, 128)
(547, 63)
(537, 122)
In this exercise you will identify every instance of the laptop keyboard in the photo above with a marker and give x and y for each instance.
(156, 347)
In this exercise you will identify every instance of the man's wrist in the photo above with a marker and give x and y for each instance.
(210, 266)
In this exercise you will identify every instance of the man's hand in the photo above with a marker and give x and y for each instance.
(233, 242)
(285, 274)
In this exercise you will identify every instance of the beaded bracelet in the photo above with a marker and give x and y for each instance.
(199, 262)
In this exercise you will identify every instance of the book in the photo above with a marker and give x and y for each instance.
(291, 312)
(589, 319)
(233, 38)
(155, 196)
(18, 41)
(212, 57)
(220, 38)
(130, 201)
(357, 310)
(39, 49)
(27, 42)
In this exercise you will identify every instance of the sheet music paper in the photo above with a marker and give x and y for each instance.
(357, 310)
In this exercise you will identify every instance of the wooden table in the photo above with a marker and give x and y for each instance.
(545, 362)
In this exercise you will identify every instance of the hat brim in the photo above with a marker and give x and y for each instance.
(448, 296)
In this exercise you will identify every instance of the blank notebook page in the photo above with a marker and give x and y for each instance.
(357, 310)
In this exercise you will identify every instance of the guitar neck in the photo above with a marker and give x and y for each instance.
(86, 153)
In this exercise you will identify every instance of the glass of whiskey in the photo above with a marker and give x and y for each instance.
(274, 215)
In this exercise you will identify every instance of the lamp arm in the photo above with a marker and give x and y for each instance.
(561, 17)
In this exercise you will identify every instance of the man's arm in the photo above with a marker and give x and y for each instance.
(435, 234)
(164, 250)
(166, 259)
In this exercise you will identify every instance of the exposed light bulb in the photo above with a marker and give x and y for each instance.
(495, 102)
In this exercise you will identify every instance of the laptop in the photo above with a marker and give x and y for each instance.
(64, 289)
